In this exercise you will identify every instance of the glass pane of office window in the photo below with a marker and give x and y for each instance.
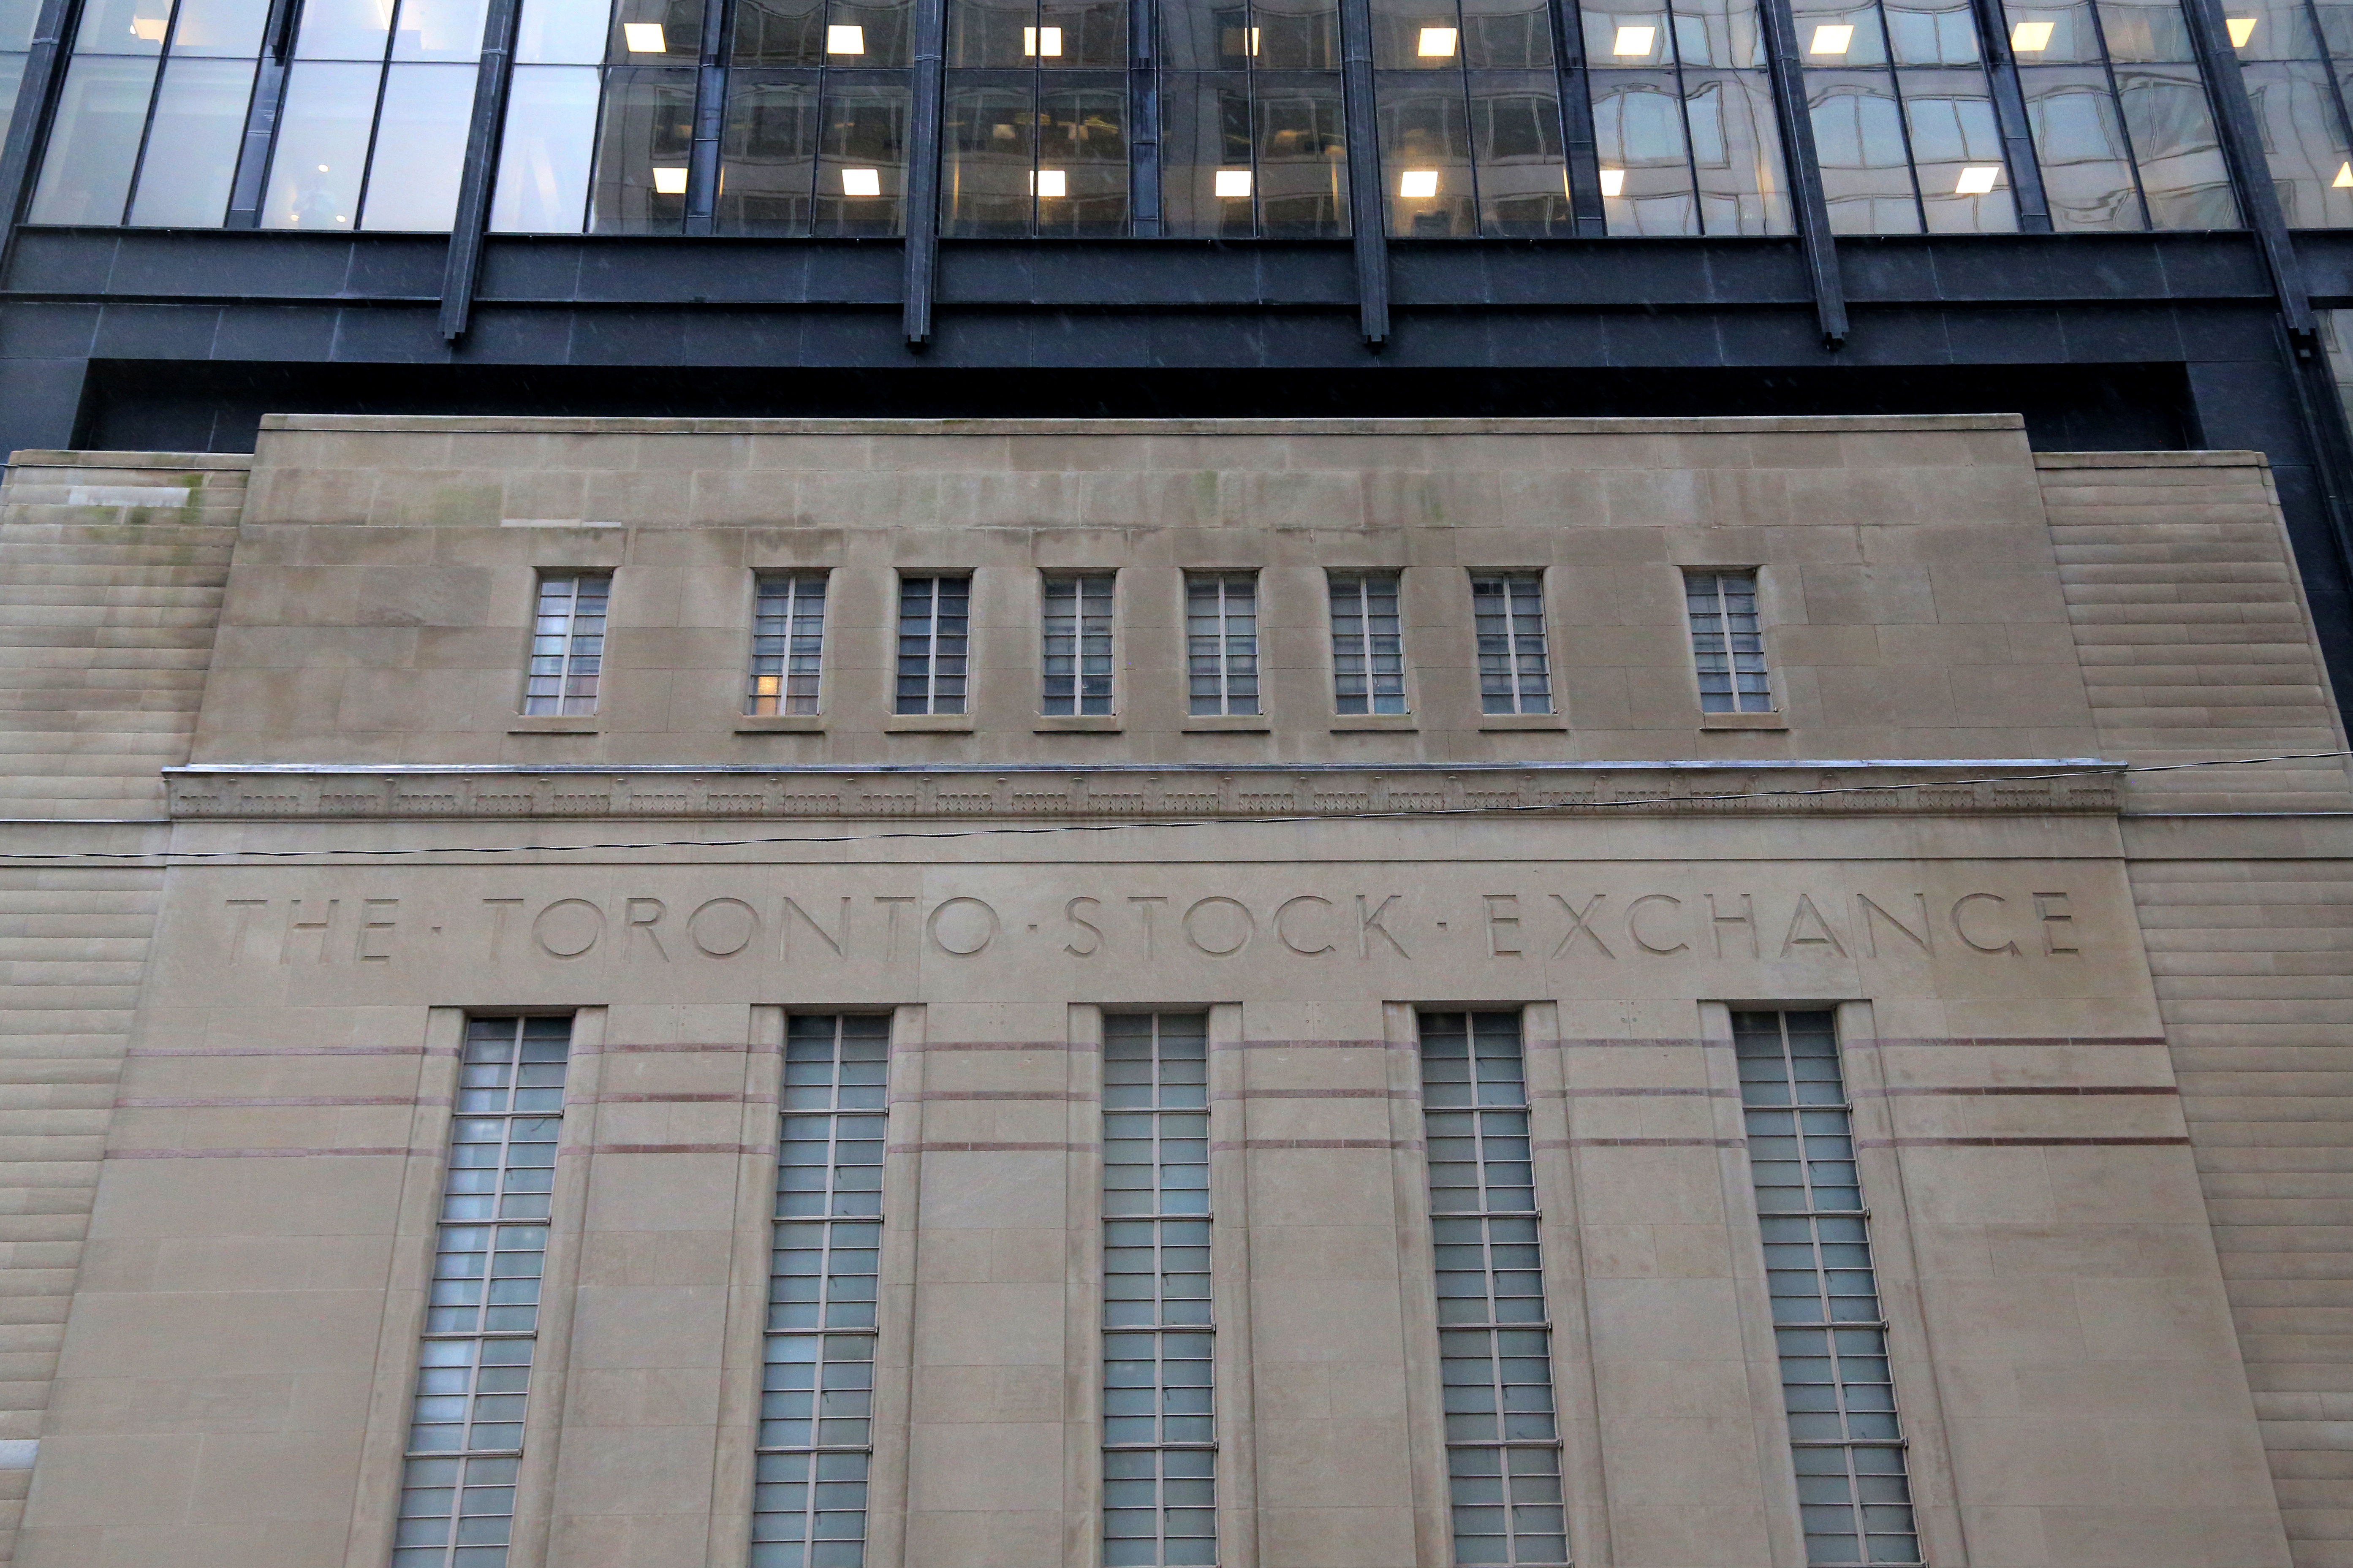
(444, 30)
(322, 141)
(1629, 35)
(420, 147)
(342, 30)
(1425, 144)
(183, 180)
(1858, 138)
(2174, 144)
(988, 153)
(1646, 173)
(1515, 140)
(2064, 32)
(1736, 150)
(1000, 33)
(12, 77)
(123, 28)
(1093, 34)
(94, 141)
(781, 33)
(2080, 143)
(2146, 31)
(2303, 143)
(225, 29)
(562, 32)
(1295, 34)
(1931, 32)
(1833, 33)
(1506, 34)
(1956, 151)
(543, 185)
(862, 185)
(1725, 34)
(1302, 182)
(881, 38)
(647, 134)
(1208, 184)
(1082, 180)
(1415, 34)
(768, 153)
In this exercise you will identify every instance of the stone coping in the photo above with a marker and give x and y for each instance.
(39, 457)
(283, 791)
(1723, 424)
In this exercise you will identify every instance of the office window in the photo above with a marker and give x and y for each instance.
(1727, 645)
(1846, 1442)
(1076, 632)
(567, 642)
(1221, 641)
(1368, 644)
(1683, 119)
(1036, 139)
(816, 1400)
(1507, 612)
(2293, 55)
(1468, 117)
(934, 621)
(1253, 138)
(788, 643)
(473, 1376)
(600, 117)
(1503, 1453)
(1159, 1428)
(818, 97)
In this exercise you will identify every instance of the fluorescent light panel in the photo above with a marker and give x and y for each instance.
(2243, 30)
(861, 181)
(1633, 40)
(845, 40)
(1978, 179)
(644, 37)
(1041, 43)
(2031, 37)
(670, 182)
(1234, 182)
(1831, 38)
(1437, 44)
(1418, 184)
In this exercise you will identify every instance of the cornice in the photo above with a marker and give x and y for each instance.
(297, 791)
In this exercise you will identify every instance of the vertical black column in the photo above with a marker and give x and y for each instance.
(1812, 215)
(473, 214)
(261, 116)
(709, 116)
(2242, 151)
(1143, 119)
(2010, 115)
(36, 101)
(923, 172)
(1364, 219)
(1577, 139)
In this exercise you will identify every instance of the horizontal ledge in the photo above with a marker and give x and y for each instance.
(1700, 765)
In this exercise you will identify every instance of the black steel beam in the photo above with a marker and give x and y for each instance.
(476, 184)
(1810, 210)
(2027, 193)
(246, 190)
(36, 101)
(1366, 223)
(922, 246)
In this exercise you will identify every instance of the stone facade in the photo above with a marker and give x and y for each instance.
(2086, 1017)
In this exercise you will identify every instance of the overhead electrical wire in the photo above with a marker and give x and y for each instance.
(1561, 808)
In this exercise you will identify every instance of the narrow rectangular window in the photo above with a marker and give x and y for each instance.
(816, 1399)
(1727, 645)
(567, 642)
(1515, 671)
(1159, 1429)
(787, 644)
(1368, 644)
(473, 1374)
(1221, 641)
(1077, 643)
(934, 624)
(1843, 1432)
(1494, 1337)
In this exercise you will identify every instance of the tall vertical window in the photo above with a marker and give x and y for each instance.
(1502, 1451)
(1368, 644)
(1515, 671)
(1221, 641)
(816, 1401)
(600, 117)
(1470, 119)
(1847, 1444)
(1159, 1428)
(473, 1376)
(1684, 117)
(2122, 128)
(1727, 647)
(1036, 136)
(2296, 57)
(787, 644)
(817, 103)
(934, 628)
(1076, 656)
(567, 643)
(1253, 138)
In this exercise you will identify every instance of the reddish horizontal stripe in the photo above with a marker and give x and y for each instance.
(971, 1148)
(2085, 1088)
(250, 1153)
(223, 1103)
(1310, 1045)
(973, 1094)
(681, 1098)
(997, 1046)
(288, 1051)
(2013, 1142)
(1642, 1092)
(2022, 1040)
(1316, 1094)
(675, 1048)
(1319, 1144)
(677, 1149)
(1639, 1143)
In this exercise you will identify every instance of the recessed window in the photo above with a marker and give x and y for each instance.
(787, 644)
(1726, 645)
(1514, 669)
(1221, 641)
(567, 643)
(1075, 656)
(934, 628)
(1368, 644)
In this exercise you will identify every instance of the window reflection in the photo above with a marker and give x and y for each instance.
(1253, 137)
(1903, 151)
(1683, 119)
(801, 159)
(2286, 49)
(1468, 118)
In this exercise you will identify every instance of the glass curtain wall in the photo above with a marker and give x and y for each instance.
(600, 117)
(1468, 107)
(2296, 57)
(1684, 117)
(1035, 140)
(2119, 116)
(1902, 117)
(17, 20)
(1253, 137)
(819, 94)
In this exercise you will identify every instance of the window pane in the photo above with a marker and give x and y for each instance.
(2295, 107)
(1859, 137)
(1638, 121)
(2080, 144)
(543, 185)
(123, 28)
(1727, 642)
(2173, 140)
(1515, 140)
(1000, 33)
(420, 147)
(1725, 34)
(1293, 35)
(1302, 184)
(562, 32)
(768, 159)
(1082, 136)
(1417, 35)
(781, 33)
(322, 140)
(1737, 147)
(1090, 34)
(1221, 642)
(647, 134)
(989, 153)
(1425, 158)
(342, 30)
(192, 149)
(1515, 671)
(862, 164)
(222, 29)
(1368, 644)
(1076, 644)
(787, 645)
(1206, 132)
(567, 647)
(1931, 31)
(1955, 142)
(2152, 31)
(87, 172)
(449, 30)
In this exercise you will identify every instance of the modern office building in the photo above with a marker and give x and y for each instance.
(1470, 992)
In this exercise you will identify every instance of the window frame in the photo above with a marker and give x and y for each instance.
(1225, 708)
(761, 577)
(531, 655)
(1047, 576)
(1691, 634)
(1362, 578)
(1519, 708)
(895, 631)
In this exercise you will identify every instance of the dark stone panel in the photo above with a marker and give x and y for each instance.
(38, 329)
(519, 268)
(162, 332)
(2229, 331)
(1996, 336)
(516, 335)
(1600, 272)
(639, 337)
(1788, 337)
(739, 271)
(63, 262)
(2327, 257)
(408, 266)
(1144, 272)
(373, 333)
(1896, 334)
(2214, 266)
(41, 403)
(2113, 335)
(271, 332)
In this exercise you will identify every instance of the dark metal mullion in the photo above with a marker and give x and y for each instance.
(709, 116)
(1683, 111)
(270, 75)
(375, 120)
(1580, 144)
(2001, 66)
(2123, 131)
(924, 175)
(2335, 87)
(147, 126)
(1143, 123)
(2242, 153)
(1370, 231)
(1787, 71)
(1469, 151)
(493, 76)
(1903, 115)
(36, 103)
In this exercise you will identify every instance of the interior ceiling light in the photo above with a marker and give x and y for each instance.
(1613, 182)
(861, 181)
(1633, 40)
(670, 182)
(845, 40)
(1041, 43)
(644, 37)
(1437, 43)
(1418, 184)
(1831, 38)
(2031, 37)
(1234, 182)
(2344, 180)
(1049, 182)
(2243, 29)
(1978, 179)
